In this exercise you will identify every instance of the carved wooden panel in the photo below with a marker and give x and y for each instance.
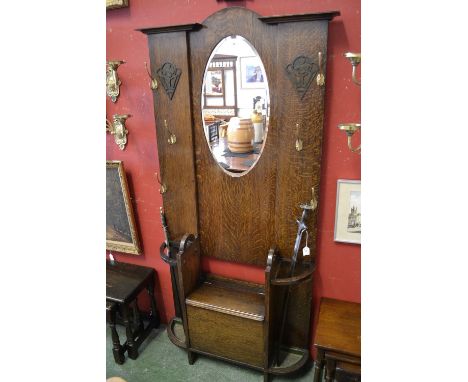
(298, 171)
(236, 214)
(240, 218)
(169, 61)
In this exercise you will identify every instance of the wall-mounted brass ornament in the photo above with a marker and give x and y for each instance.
(112, 80)
(320, 76)
(117, 129)
(172, 138)
(154, 82)
(163, 188)
(350, 129)
(355, 59)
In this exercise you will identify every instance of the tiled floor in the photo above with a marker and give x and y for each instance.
(160, 360)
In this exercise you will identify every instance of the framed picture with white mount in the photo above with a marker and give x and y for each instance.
(348, 211)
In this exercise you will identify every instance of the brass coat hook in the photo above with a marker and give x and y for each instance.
(299, 143)
(313, 201)
(154, 82)
(172, 138)
(320, 76)
(163, 188)
(312, 205)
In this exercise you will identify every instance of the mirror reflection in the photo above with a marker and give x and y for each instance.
(235, 105)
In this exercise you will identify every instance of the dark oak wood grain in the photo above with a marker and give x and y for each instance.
(176, 161)
(299, 17)
(298, 171)
(226, 335)
(171, 28)
(249, 198)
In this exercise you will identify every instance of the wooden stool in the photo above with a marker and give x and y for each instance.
(124, 282)
(338, 337)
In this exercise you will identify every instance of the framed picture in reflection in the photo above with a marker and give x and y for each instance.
(252, 75)
(214, 83)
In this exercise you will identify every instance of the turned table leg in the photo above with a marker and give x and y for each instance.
(318, 365)
(119, 357)
(132, 348)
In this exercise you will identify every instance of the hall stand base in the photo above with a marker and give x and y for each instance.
(293, 358)
(237, 321)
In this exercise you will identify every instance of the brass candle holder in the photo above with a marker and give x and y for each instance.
(118, 130)
(355, 59)
(112, 80)
(351, 128)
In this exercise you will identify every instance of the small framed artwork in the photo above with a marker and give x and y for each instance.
(348, 211)
(252, 76)
(214, 83)
(113, 4)
(121, 234)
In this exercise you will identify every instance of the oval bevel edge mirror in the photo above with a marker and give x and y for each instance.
(235, 105)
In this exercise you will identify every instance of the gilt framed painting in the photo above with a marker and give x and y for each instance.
(113, 4)
(348, 211)
(121, 234)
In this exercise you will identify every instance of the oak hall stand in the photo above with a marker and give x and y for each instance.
(251, 218)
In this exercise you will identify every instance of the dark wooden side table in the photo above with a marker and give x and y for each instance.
(338, 337)
(124, 282)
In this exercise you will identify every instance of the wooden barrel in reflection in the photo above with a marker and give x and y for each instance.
(240, 136)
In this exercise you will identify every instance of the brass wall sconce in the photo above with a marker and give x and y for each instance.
(355, 59)
(154, 82)
(117, 129)
(112, 80)
(350, 129)
(163, 188)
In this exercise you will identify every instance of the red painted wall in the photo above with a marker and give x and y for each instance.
(338, 273)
